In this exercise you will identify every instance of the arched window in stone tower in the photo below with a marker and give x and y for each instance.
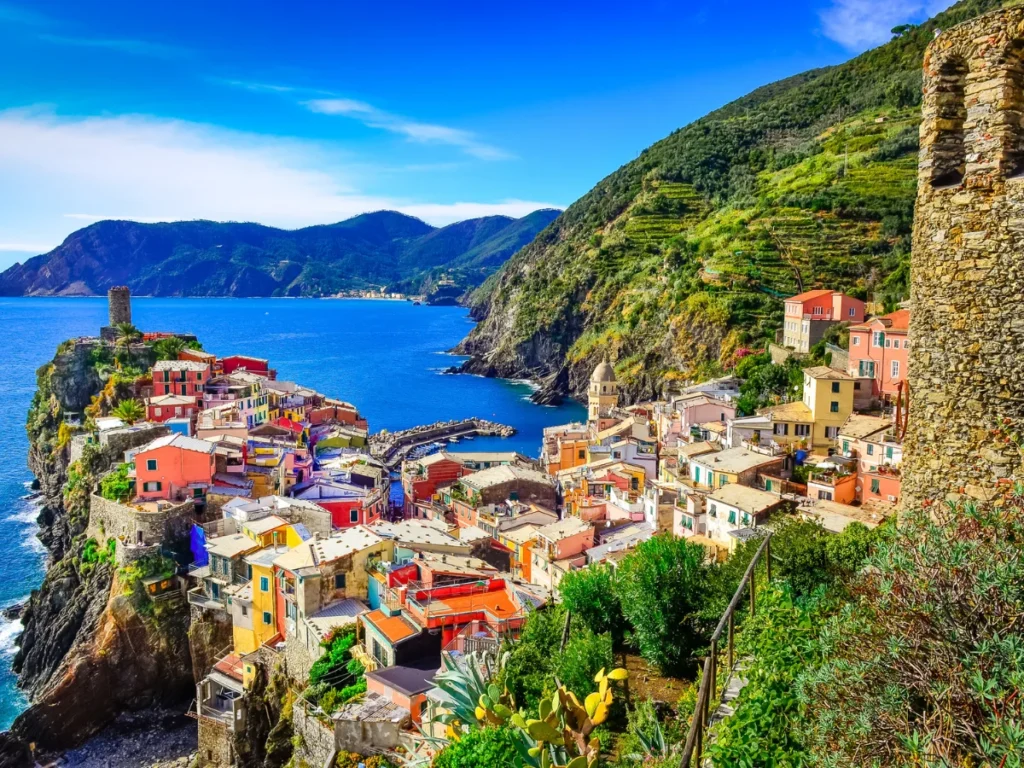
(948, 155)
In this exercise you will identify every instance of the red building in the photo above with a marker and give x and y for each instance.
(256, 365)
(180, 377)
(160, 409)
(421, 479)
(337, 411)
(879, 350)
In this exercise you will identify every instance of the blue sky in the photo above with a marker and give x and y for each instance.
(313, 112)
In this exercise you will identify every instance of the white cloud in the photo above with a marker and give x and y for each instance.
(60, 172)
(424, 133)
(862, 24)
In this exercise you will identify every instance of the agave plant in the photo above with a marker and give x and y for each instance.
(468, 684)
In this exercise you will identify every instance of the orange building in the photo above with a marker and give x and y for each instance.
(879, 350)
(174, 467)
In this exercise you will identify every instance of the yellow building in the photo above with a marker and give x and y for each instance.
(270, 531)
(816, 419)
(254, 609)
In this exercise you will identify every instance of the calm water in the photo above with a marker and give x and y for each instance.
(384, 356)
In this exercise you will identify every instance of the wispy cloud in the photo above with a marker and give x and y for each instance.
(424, 133)
(124, 45)
(862, 24)
(61, 171)
(24, 247)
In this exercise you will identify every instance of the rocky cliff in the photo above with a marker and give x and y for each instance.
(93, 645)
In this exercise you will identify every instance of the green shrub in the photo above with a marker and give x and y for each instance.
(590, 595)
(116, 485)
(493, 747)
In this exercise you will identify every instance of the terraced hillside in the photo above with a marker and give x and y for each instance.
(678, 259)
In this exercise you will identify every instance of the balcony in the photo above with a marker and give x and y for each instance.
(199, 598)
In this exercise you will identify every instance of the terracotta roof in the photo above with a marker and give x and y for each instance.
(394, 628)
(824, 372)
(808, 295)
(894, 322)
(861, 425)
(796, 411)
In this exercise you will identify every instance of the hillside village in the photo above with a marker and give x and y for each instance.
(268, 509)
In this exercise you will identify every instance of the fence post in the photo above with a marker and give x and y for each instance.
(753, 589)
(731, 628)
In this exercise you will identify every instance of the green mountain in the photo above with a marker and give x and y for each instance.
(679, 258)
(205, 258)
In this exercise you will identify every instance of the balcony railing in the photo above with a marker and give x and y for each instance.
(709, 681)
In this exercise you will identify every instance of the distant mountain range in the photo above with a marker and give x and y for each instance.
(206, 258)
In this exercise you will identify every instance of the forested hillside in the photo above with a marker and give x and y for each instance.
(681, 257)
(207, 258)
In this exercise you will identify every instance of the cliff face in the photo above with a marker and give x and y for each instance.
(93, 645)
(125, 661)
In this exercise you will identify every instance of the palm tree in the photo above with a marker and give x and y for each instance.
(129, 411)
(126, 334)
(169, 348)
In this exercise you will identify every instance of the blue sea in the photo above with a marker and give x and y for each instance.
(384, 356)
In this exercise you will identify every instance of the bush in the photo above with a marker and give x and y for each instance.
(116, 485)
(591, 596)
(480, 748)
(663, 586)
(585, 655)
(925, 666)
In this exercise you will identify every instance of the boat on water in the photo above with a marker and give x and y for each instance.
(453, 439)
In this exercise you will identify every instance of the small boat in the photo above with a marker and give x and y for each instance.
(453, 439)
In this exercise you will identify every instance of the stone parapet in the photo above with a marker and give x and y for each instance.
(966, 366)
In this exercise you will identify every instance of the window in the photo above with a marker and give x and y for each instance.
(151, 465)
(835, 387)
(834, 406)
(871, 450)
(817, 310)
(888, 451)
(339, 581)
(780, 429)
(582, 454)
(267, 618)
(831, 432)
(245, 610)
(877, 338)
(801, 430)
(875, 485)
(156, 411)
(688, 523)
(732, 516)
(846, 447)
(888, 343)
(746, 518)
(855, 340)
(767, 485)
(866, 368)
(895, 369)
(696, 474)
(722, 480)
(825, 495)
(264, 584)
(353, 516)
(853, 311)
(856, 386)
(713, 511)
(949, 158)
(152, 486)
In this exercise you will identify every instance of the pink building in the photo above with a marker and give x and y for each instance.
(185, 378)
(174, 467)
(879, 350)
(810, 314)
(698, 408)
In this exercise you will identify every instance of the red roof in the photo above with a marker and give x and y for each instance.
(808, 295)
(287, 423)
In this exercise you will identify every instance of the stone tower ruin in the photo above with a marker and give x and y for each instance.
(966, 365)
(119, 305)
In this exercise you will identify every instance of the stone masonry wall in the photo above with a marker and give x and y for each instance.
(966, 369)
(315, 743)
(109, 518)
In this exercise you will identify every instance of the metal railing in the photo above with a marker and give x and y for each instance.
(701, 719)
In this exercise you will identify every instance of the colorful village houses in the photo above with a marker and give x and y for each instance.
(558, 548)
(423, 479)
(180, 377)
(497, 485)
(872, 442)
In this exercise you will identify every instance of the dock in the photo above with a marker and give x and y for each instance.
(392, 447)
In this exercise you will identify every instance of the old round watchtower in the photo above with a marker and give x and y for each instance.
(966, 370)
(119, 305)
